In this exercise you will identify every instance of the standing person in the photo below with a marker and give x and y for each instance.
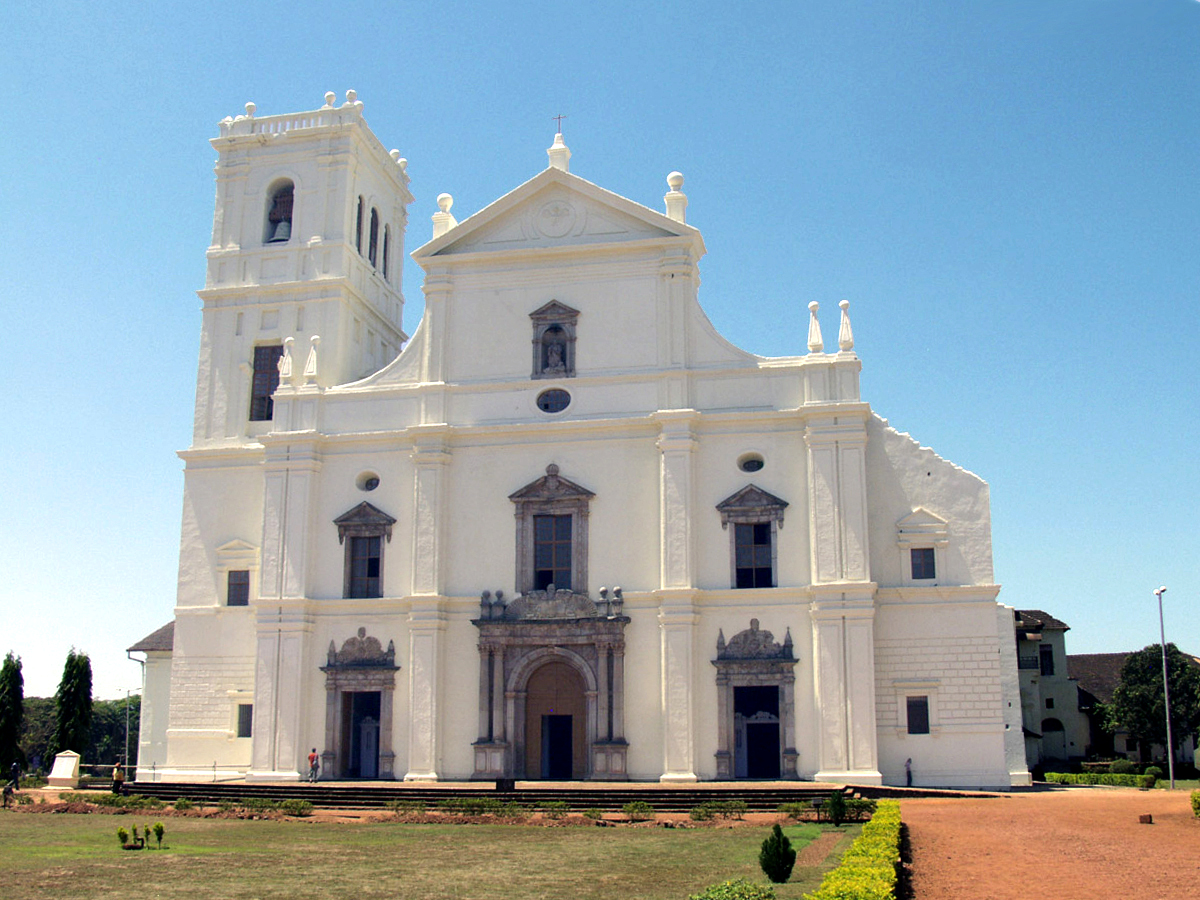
(118, 781)
(908, 772)
(16, 775)
(314, 765)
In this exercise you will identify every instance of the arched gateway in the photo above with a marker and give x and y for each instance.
(551, 686)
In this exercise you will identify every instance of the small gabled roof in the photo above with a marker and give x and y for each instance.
(511, 201)
(163, 639)
(1035, 618)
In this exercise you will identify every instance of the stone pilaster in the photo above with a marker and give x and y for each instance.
(838, 500)
(281, 662)
(677, 622)
(426, 622)
(677, 445)
(430, 458)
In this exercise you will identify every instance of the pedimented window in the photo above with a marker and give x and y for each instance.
(363, 530)
(756, 517)
(552, 529)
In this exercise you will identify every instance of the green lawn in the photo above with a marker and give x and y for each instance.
(74, 856)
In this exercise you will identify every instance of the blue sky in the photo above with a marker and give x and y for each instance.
(1006, 192)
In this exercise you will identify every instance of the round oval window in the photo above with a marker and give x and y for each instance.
(553, 401)
(751, 462)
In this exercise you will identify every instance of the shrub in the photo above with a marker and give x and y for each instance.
(868, 869)
(1145, 782)
(1113, 780)
(258, 803)
(298, 808)
(835, 807)
(1122, 767)
(406, 806)
(638, 810)
(729, 809)
(737, 889)
(777, 857)
(1196, 804)
(859, 809)
(554, 809)
(514, 809)
(795, 810)
(1155, 771)
(598, 814)
(701, 813)
(123, 836)
(158, 833)
(226, 805)
(183, 804)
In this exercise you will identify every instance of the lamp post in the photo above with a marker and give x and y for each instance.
(1162, 637)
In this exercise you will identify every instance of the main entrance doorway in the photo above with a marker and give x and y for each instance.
(555, 722)
(360, 733)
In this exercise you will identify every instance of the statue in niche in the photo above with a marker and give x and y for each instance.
(554, 360)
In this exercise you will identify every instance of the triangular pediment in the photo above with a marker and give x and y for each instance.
(921, 520)
(751, 504)
(364, 520)
(550, 486)
(554, 312)
(556, 209)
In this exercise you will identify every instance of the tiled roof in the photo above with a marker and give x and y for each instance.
(1037, 618)
(1097, 673)
(163, 639)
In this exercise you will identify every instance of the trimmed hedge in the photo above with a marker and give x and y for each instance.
(1095, 778)
(868, 870)
(736, 889)
(1196, 803)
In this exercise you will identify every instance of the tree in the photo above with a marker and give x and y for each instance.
(1138, 705)
(107, 744)
(73, 705)
(777, 857)
(37, 733)
(12, 712)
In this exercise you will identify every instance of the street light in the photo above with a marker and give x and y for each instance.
(1162, 637)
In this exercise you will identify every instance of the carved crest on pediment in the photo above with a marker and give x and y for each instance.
(754, 643)
(361, 651)
(556, 604)
(549, 488)
(751, 504)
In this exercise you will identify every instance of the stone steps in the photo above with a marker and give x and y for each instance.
(608, 798)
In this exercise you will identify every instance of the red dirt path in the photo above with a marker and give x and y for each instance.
(1068, 844)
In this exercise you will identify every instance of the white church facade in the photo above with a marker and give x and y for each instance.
(565, 531)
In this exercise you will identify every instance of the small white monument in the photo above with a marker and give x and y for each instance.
(65, 773)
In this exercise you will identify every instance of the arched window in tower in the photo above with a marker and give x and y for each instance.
(358, 225)
(279, 214)
(373, 247)
(387, 249)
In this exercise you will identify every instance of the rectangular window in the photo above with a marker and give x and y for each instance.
(918, 715)
(923, 563)
(1049, 703)
(752, 555)
(551, 552)
(266, 379)
(1046, 658)
(365, 557)
(245, 719)
(237, 588)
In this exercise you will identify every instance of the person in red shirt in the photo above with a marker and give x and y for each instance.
(314, 765)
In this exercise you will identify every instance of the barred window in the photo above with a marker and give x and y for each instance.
(551, 552)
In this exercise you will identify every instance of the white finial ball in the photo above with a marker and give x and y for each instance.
(813, 306)
(403, 164)
(445, 201)
(351, 95)
(330, 96)
(845, 305)
(395, 155)
(315, 339)
(250, 108)
(675, 180)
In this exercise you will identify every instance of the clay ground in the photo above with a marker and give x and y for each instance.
(1069, 844)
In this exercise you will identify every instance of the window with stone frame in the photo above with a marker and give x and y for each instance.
(279, 214)
(264, 382)
(917, 708)
(245, 720)
(373, 241)
(552, 527)
(756, 517)
(554, 340)
(363, 531)
(923, 561)
(358, 226)
(237, 587)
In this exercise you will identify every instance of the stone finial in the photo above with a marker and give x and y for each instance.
(676, 199)
(560, 154)
(310, 364)
(394, 154)
(250, 108)
(285, 361)
(330, 96)
(720, 641)
(815, 344)
(845, 335)
(442, 220)
(485, 605)
(351, 96)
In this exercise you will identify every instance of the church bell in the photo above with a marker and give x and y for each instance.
(283, 231)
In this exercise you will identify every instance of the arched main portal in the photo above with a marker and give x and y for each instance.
(555, 723)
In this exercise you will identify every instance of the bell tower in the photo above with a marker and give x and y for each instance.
(303, 280)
